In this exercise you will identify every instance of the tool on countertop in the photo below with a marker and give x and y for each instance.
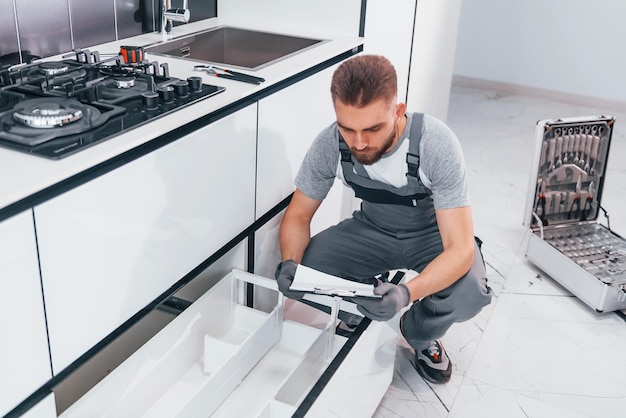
(132, 54)
(230, 74)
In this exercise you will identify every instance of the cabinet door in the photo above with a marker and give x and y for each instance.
(24, 357)
(289, 121)
(394, 44)
(111, 246)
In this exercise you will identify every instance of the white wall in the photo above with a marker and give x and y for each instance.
(570, 46)
(335, 18)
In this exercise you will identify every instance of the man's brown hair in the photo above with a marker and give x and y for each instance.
(363, 79)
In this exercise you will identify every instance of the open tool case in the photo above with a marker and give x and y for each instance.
(566, 239)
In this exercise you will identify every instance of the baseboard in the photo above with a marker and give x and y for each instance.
(535, 92)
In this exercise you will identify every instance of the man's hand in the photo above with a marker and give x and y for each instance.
(284, 276)
(394, 298)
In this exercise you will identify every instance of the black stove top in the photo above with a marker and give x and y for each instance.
(54, 109)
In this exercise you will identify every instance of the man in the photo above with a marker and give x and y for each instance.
(415, 214)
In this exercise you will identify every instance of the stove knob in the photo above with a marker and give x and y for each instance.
(181, 88)
(166, 94)
(195, 84)
(150, 100)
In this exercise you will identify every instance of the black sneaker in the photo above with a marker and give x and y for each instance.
(433, 364)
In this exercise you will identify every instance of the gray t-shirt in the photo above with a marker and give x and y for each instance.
(442, 167)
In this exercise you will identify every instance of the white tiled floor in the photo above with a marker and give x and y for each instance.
(536, 351)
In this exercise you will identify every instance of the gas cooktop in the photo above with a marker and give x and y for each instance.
(54, 109)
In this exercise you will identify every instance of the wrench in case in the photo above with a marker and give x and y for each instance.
(563, 203)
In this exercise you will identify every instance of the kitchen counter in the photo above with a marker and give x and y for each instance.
(29, 180)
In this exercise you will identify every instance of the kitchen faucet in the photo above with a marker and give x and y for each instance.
(169, 15)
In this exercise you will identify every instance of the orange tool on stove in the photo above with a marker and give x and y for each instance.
(132, 54)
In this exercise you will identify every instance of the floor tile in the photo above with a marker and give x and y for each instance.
(409, 395)
(487, 401)
(526, 278)
(552, 350)
(553, 309)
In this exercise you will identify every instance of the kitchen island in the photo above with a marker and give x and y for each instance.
(28, 180)
(98, 239)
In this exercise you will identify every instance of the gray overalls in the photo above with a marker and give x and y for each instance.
(396, 228)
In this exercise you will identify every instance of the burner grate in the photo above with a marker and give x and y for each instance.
(56, 108)
(62, 117)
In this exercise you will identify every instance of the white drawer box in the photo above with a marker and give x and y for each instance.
(221, 358)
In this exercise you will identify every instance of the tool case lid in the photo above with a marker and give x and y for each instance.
(569, 165)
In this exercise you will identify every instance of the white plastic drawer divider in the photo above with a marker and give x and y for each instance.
(194, 364)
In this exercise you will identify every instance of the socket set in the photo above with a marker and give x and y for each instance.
(593, 248)
(563, 203)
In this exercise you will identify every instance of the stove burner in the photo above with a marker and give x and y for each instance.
(47, 113)
(52, 68)
(121, 72)
(116, 91)
(91, 116)
(124, 82)
(57, 76)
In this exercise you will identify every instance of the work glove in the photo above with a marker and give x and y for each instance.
(394, 298)
(284, 276)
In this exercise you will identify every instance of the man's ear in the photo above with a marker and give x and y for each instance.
(400, 109)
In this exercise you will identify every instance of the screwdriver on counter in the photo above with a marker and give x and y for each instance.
(230, 74)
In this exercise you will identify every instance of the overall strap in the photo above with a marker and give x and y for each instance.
(415, 136)
(355, 175)
(346, 157)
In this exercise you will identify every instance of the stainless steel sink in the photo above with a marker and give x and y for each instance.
(233, 47)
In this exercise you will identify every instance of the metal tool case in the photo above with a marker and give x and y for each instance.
(566, 240)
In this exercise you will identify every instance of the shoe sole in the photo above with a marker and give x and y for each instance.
(420, 370)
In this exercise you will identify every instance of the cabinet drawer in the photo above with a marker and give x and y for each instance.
(221, 358)
(111, 246)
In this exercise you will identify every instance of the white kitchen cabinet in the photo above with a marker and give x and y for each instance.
(111, 246)
(338, 204)
(419, 38)
(432, 52)
(394, 44)
(24, 357)
(289, 121)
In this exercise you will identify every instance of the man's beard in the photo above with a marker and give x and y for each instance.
(372, 157)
